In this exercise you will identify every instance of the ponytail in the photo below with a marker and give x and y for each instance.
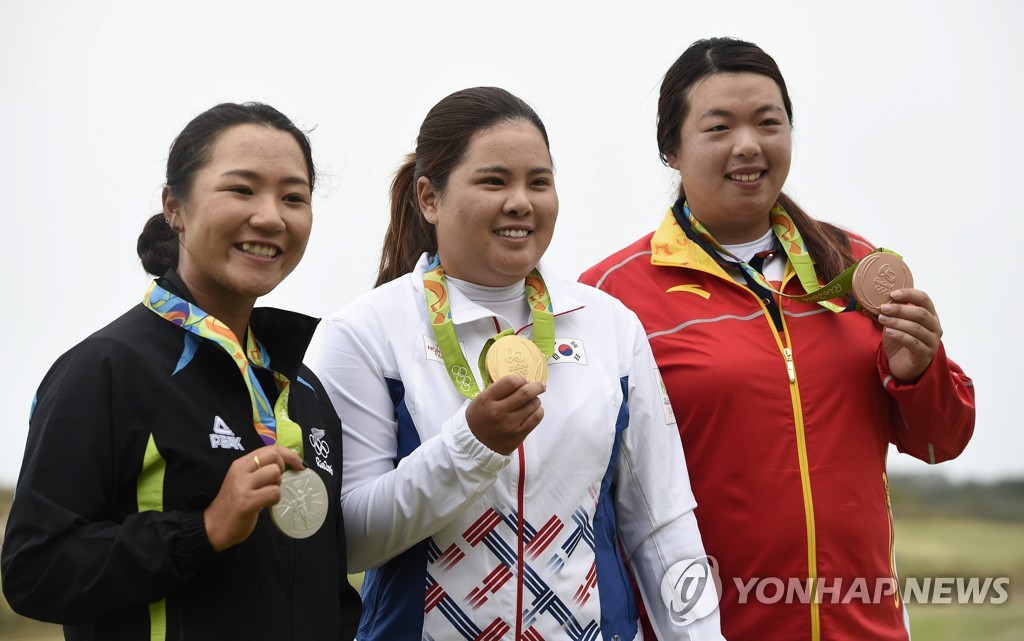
(409, 234)
(158, 246)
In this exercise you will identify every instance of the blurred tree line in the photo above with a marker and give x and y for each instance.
(932, 495)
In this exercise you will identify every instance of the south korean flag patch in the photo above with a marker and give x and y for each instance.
(568, 350)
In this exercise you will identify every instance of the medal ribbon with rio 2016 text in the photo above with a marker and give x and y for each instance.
(439, 310)
(793, 244)
(271, 423)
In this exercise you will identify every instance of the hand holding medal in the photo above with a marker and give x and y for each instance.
(253, 483)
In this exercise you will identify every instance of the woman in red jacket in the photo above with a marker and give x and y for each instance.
(785, 405)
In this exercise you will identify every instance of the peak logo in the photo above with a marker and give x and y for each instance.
(690, 589)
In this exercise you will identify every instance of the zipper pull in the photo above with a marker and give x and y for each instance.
(790, 368)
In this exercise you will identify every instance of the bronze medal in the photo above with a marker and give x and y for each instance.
(876, 277)
(303, 506)
(516, 355)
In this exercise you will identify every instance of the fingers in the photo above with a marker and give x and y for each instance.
(252, 483)
(272, 456)
(912, 317)
(506, 412)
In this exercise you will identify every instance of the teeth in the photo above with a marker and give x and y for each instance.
(513, 233)
(259, 250)
(747, 178)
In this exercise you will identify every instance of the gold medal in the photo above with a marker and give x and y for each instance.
(303, 506)
(876, 277)
(516, 355)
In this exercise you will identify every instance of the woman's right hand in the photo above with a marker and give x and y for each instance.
(253, 482)
(503, 415)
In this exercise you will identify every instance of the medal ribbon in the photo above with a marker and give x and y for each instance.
(793, 244)
(435, 287)
(271, 423)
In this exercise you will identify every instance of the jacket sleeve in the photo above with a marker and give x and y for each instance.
(933, 418)
(396, 491)
(70, 553)
(655, 505)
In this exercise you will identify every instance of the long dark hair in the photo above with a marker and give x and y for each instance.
(158, 243)
(827, 244)
(441, 145)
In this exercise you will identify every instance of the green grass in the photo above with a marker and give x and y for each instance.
(967, 548)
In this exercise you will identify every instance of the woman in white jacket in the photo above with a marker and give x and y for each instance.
(480, 510)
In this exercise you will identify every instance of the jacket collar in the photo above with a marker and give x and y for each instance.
(670, 247)
(285, 334)
(465, 310)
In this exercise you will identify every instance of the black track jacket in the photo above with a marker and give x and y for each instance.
(140, 404)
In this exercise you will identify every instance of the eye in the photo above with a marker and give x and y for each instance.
(296, 198)
(771, 122)
(717, 128)
(241, 189)
(492, 180)
(541, 182)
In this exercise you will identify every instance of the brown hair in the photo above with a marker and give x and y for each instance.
(827, 244)
(441, 145)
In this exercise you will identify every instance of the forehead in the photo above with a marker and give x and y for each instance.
(251, 144)
(733, 92)
(507, 143)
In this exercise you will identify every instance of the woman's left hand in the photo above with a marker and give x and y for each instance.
(910, 333)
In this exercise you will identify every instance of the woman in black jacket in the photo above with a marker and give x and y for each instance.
(182, 470)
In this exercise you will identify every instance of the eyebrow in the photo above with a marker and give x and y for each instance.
(252, 175)
(505, 171)
(719, 112)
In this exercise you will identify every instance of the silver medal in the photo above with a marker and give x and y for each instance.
(303, 506)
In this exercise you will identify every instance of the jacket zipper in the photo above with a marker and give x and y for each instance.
(892, 543)
(786, 352)
(521, 497)
(805, 478)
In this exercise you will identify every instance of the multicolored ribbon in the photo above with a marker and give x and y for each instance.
(435, 287)
(271, 423)
(793, 244)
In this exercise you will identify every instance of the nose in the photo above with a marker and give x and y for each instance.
(517, 203)
(267, 214)
(746, 143)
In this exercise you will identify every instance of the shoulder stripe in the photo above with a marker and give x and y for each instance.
(813, 312)
(600, 281)
(696, 321)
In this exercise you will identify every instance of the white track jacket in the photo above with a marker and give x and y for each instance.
(464, 543)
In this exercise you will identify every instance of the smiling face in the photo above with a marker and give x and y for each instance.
(496, 215)
(734, 154)
(246, 221)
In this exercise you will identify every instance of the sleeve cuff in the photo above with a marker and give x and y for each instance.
(466, 442)
(193, 543)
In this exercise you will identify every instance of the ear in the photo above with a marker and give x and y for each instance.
(427, 197)
(173, 208)
(673, 161)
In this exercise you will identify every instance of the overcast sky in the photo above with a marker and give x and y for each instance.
(908, 129)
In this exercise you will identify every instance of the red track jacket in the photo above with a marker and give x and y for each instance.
(786, 435)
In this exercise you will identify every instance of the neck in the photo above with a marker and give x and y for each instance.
(737, 234)
(232, 311)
